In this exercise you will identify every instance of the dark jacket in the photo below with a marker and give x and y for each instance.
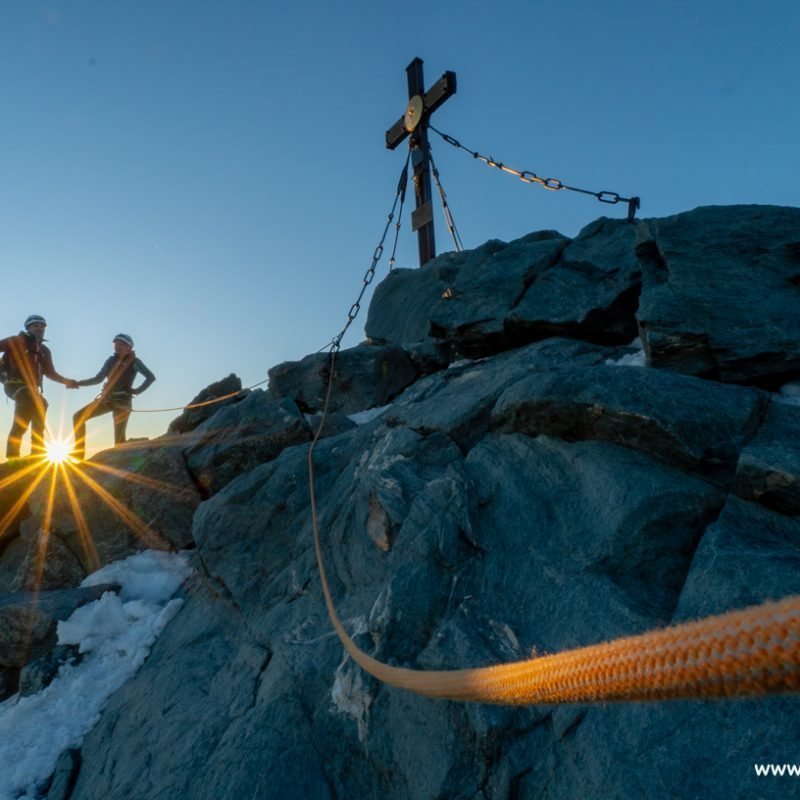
(28, 360)
(119, 373)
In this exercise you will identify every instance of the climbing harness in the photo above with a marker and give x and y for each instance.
(554, 184)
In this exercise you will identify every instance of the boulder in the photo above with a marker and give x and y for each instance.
(591, 293)
(768, 471)
(501, 296)
(459, 400)
(399, 311)
(28, 620)
(687, 422)
(364, 377)
(522, 543)
(190, 418)
(183, 708)
(488, 286)
(130, 498)
(14, 479)
(39, 673)
(750, 554)
(721, 288)
(239, 437)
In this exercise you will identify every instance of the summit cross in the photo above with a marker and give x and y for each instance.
(414, 124)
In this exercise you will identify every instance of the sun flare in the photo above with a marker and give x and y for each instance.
(58, 451)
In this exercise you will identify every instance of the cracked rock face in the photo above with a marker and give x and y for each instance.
(536, 498)
(464, 526)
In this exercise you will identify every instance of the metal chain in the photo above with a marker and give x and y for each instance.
(448, 216)
(400, 197)
(554, 184)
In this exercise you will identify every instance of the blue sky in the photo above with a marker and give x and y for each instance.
(211, 177)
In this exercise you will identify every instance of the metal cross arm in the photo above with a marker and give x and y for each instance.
(433, 98)
(414, 124)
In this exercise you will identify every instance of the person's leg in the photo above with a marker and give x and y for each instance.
(94, 409)
(18, 428)
(38, 422)
(121, 415)
(23, 409)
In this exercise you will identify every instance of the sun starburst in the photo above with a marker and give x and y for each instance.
(57, 451)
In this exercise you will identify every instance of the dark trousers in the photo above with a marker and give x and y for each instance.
(119, 408)
(30, 409)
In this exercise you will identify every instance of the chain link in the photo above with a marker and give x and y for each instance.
(553, 184)
(400, 197)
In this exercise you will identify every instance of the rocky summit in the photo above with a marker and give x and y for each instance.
(541, 445)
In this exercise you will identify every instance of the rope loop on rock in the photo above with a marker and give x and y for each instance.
(199, 405)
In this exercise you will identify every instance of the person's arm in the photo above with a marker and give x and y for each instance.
(50, 371)
(146, 374)
(101, 376)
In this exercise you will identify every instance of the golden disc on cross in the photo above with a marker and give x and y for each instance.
(413, 115)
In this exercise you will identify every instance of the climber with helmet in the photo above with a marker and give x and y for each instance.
(119, 372)
(26, 361)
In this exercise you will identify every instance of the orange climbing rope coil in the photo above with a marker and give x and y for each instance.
(751, 652)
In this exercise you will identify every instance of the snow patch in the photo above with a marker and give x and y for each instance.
(634, 359)
(351, 697)
(363, 417)
(789, 394)
(116, 633)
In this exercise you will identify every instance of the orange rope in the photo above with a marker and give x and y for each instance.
(751, 652)
(198, 405)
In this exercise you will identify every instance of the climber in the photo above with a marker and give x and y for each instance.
(26, 360)
(119, 372)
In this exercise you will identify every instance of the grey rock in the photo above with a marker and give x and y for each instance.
(501, 296)
(63, 779)
(623, 752)
(489, 285)
(720, 294)
(749, 555)
(332, 424)
(28, 620)
(197, 688)
(459, 400)
(239, 437)
(62, 567)
(591, 293)
(12, 556)
(13, 509)
(769, 467)
(531, 501)
(130, 498)
(39, 673)
(9, 682)
(399, 311)
(687, 422)
(430, 355)
(364, 377)
(190, 418)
